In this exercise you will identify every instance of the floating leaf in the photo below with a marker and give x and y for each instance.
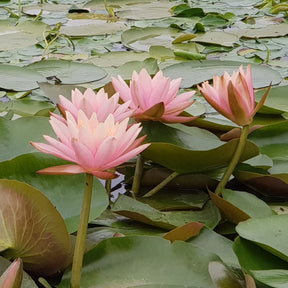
(213, 242)
(194, 151)
(247, 202)
(131, 208)
(143, 38)
(269, 233)
(180, 199)
(14, 142)
(91, 27)
(27, 107)
(23, 34)
(120, 257)
(273, 278)
(35, 232)
(68, 72)
(276, 102)
(195, 72)
(253, 257)
(26, 79)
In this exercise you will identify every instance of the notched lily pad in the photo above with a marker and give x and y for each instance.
(68, 72)
(31, 228)
(25, 79)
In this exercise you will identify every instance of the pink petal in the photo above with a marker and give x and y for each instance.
(84, 157)
(67, 169)
(105, 175)
(121, 87)
(66, 104)
(174, 88)
(127, 156)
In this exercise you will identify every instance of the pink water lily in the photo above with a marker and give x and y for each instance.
(96, 147)
(90, 102)
(233, 96)
(154, 98)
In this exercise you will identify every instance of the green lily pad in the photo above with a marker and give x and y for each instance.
(264, 32)
(252, 257)
(176, 200)
(213, 242)
(23, 34)
(195, 72)
(25, 79)
(27, 107)
(68, 72)
(14, 142)
(276, 102)
(91, 27)
(248, 203)
(30, 232)
(131, 208)
(192, 152)
(64, 191)
(273, 278)
(276, 149)
(142, 39)
(120, 257)
(270, 233)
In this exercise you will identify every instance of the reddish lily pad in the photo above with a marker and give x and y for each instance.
(270, 185)
(31, 228)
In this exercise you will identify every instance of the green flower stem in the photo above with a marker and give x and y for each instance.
(234, 160)
(138, 175)
(162, 184)
(81, 234)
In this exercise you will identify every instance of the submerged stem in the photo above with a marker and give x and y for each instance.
(234, 160)
(162, 184)
(81, 234)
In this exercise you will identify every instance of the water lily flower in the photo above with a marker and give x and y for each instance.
(96, 147)
(90, 102)
(12, 277)
(154, 98)
(233, 96)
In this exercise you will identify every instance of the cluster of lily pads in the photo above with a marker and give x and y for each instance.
(169, 220)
